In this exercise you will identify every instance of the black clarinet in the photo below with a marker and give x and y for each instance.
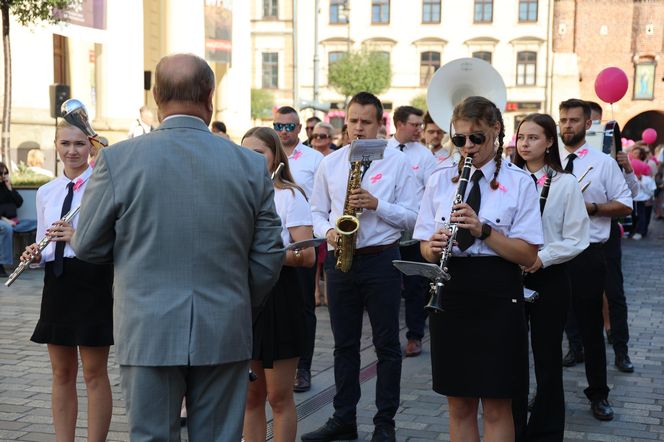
(437, 284)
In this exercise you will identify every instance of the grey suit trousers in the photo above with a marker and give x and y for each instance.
(216, 396)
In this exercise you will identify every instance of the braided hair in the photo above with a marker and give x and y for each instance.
(477, 110)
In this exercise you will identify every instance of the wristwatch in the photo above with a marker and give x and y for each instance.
(486, 231)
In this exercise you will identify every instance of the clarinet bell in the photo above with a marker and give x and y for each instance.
(435, 301)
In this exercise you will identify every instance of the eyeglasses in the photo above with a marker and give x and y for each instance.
(320, 136)
(288, 127)
(416, 125)
(460, 140)
(311, 127)
(4, 173)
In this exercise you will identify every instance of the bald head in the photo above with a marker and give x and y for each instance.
(183, 82)
(183, 77)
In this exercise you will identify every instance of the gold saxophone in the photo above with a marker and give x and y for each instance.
(348, 223)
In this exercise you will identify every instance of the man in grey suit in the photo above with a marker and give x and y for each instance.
(188, 220)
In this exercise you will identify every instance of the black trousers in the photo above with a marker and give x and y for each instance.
(546, 317)
(587, 275)
(372, 284)
(415, 290)
(615, 296)
(307, 279)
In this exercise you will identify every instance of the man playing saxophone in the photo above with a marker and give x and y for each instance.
(386, 196)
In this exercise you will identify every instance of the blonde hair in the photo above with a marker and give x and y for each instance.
(35, 157)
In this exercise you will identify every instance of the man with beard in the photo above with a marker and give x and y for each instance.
(606, 196)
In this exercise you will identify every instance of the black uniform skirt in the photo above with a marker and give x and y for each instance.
(479, 343)
(279, 330)
(77, 307)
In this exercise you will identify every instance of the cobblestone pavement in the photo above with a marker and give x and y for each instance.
(638, 398)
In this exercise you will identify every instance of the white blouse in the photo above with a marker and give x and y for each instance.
(49, 201)
(565, 219)
(293, 209)
(303, 163)
(512, 209)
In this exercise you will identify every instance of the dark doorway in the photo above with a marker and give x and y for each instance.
(650, 119)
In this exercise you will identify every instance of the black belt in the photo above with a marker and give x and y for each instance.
(370, 250)
(596, 245)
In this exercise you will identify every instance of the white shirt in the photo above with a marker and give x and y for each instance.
(293, 209)
(303, 163)
(422, 162)
(647, 189)
(390, 180)
(49, 201)
(138, 128)
(443, 158)
(512, 209)
(565, 219)
(606, 184)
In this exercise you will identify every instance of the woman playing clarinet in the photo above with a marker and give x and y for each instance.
(479, 340)
(77, 304)
(565, 223)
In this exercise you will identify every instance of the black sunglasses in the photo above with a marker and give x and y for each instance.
(320, 136)
(460, 140)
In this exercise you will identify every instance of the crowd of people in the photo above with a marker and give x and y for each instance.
(196, 310)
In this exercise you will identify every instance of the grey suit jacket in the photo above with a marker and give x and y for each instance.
(188, 220)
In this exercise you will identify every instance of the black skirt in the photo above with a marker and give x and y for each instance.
(77, 307)
(479, 343)
(279, 329)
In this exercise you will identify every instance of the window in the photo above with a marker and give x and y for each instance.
(429, 63)
(383, 54)
(483, 11)
(527, 10)
(380, 11)
(270, 70)
(526, 68)
(338, 12)
(483, 55)
(270, 9)
(430, 11)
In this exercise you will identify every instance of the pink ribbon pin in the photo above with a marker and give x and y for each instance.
(79, 182)
(501, 187)
(297, 154)
(376, 178)
(541, 181)
(582, 153)
(416, 167)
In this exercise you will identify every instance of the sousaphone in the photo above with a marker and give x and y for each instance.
(458, 80)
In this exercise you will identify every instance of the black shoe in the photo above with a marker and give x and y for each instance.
(302, 381)
(183, 421)
(609, 337)
(383, 433)
(601, 409)
(623, 363)
(3, 272)
(572, 358)
(332, 430)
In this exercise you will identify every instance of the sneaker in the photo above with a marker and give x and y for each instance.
(637, 236)
(3, 272)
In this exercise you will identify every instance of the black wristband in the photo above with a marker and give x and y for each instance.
(595, 209)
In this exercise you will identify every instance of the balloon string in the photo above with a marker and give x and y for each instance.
(611, 105)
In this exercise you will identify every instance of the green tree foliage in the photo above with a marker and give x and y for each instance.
(25, 12)
(361, 71)
(420, 102)
(262, 102)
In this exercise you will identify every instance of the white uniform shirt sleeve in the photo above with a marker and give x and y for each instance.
(527, 221)
(321, 203)
(425, 225)
(299, 211)
(616, 187)
(574, 237)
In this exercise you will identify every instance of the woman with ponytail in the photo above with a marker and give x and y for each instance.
(479, 340)
(279, 327)
(565, 222)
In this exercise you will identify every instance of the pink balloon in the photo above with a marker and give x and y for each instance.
(611, 84)
(649, 136)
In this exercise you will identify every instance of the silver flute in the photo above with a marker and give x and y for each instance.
(40, 247)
